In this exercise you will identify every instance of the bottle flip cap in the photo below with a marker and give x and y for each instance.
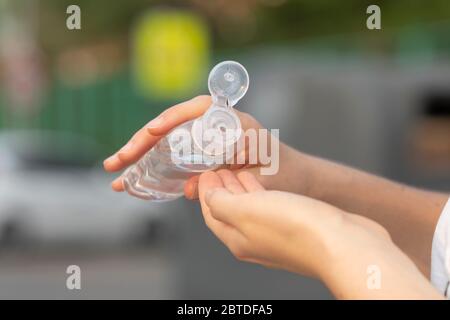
(228, 82)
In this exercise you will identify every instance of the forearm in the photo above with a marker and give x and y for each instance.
(365, 265)
(381, 272)
(410, 215)
(363, 262)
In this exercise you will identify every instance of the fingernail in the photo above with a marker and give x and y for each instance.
(158, 121)
(114, 184)
(194, 191)
(108, 160)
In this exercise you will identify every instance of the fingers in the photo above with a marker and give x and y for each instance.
(138, 145)
(149, 135)
(230, 202)
(222, 204)
(190, 110)
(230, 182)
(191, 188)
(244, 181)
(211, 181)
(221, 198)
(178, 114)
(208, 181)
(144, 139)
(117, 185)
(239, 183)
(249, 182)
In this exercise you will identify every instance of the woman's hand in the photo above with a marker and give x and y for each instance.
(272, 228)
(144, 139)
(309, 237)
(398, 208)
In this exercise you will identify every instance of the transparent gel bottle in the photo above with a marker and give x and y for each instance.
(161, 173)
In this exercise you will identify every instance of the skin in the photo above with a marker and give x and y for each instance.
(408, 215)
(308, 237)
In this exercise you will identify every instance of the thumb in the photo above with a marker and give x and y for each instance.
(222, 205)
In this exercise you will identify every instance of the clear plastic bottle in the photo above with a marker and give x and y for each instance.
(161, 173)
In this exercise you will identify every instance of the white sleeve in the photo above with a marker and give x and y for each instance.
(440, 253)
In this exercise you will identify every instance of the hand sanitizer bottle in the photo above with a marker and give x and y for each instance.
(195, 146)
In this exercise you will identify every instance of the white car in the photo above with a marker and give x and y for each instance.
(53, 189)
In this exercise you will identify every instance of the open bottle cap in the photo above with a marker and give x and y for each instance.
(228, 82)
(220, 127)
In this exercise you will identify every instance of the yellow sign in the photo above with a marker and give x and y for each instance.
(170, 54)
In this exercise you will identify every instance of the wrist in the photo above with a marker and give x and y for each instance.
(329, 230)
(293, 174)
(318, 239)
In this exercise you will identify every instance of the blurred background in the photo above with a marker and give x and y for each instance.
(375, 99)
